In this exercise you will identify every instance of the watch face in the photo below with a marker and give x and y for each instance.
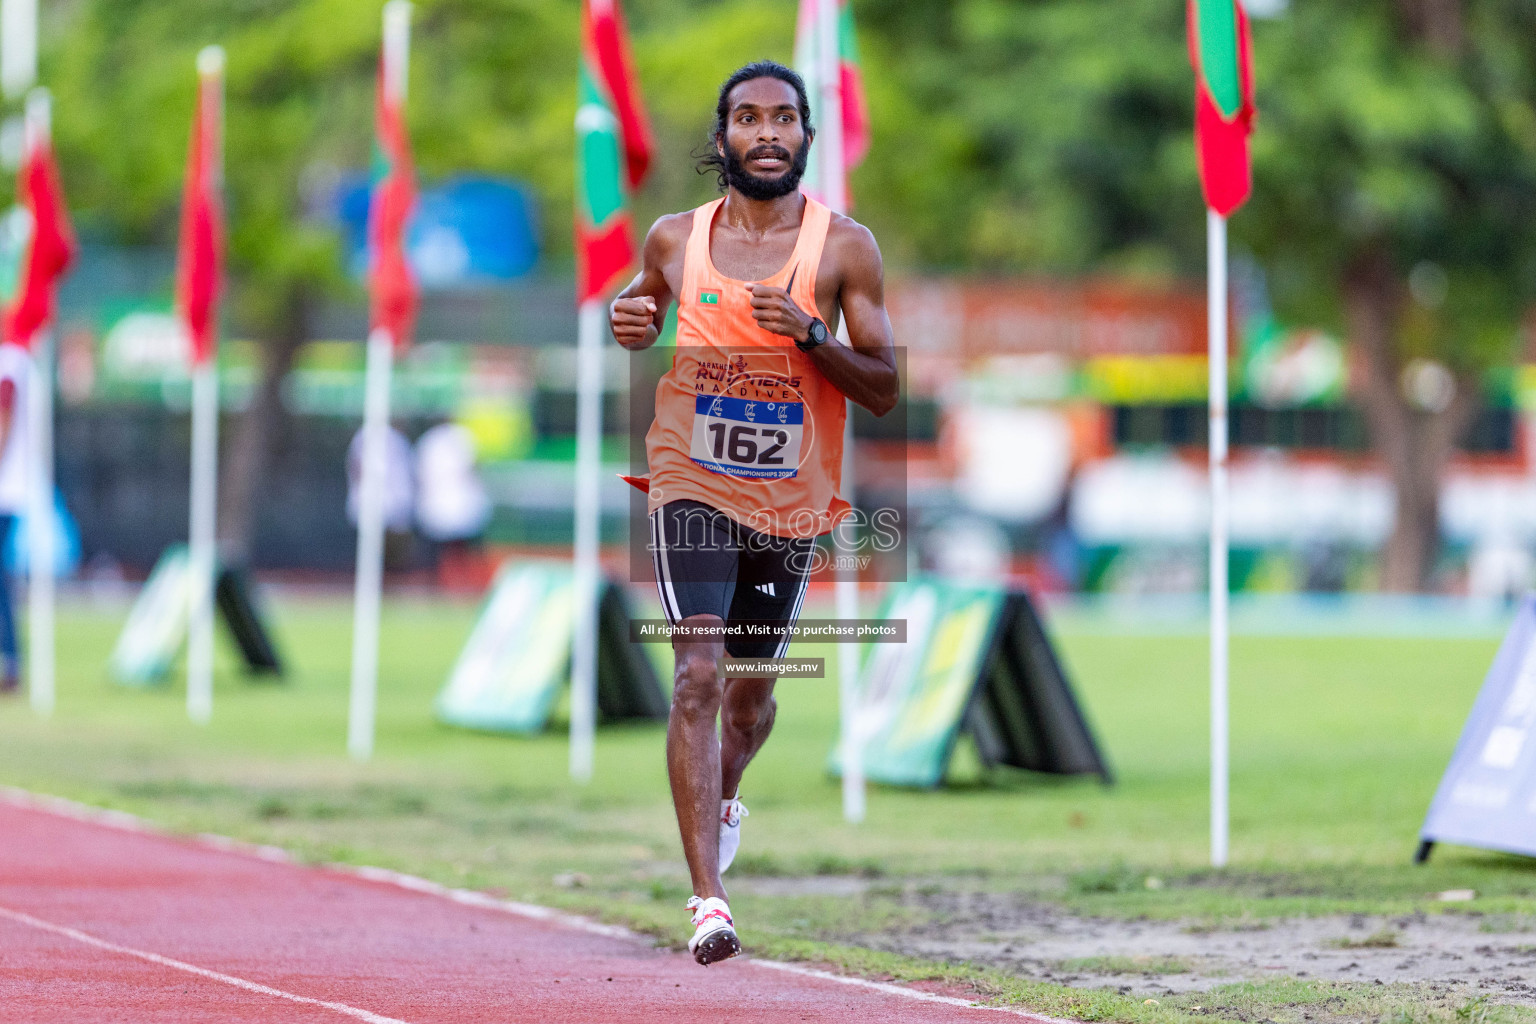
(818, 332)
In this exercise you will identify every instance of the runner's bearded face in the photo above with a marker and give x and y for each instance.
(765, 146)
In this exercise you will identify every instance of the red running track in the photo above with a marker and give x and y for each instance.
(102, 923)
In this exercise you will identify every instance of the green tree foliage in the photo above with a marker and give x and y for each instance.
(299, 102)
(1376, 140)
(1009, 137)
(1043, 137)
(1395, 192)
(1036, 137)
(1396, 197)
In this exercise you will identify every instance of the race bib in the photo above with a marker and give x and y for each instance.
(745, 438)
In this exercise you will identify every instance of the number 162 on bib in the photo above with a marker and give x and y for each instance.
(745, 438)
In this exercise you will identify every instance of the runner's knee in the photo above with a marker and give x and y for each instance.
(696, 689)
(752, 716)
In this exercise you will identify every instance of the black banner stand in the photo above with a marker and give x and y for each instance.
(627, 685)
(1022, 712)
(246, 624)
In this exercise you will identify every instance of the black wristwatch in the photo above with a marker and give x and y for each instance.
(815, 337)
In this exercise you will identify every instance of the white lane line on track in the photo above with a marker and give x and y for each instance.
(126, 822)
(901, 990)
(468, 897)
(203, 972)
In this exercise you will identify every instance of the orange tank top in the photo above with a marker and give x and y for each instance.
(744, 421)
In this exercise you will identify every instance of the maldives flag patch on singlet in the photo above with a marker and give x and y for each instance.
(740, 437)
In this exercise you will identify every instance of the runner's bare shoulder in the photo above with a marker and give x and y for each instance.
(851, 244)
(667, 238)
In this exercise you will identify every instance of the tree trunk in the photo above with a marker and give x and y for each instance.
(1415, 445)
(250, 455)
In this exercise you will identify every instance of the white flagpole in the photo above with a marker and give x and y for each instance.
(205, 458)
(203, 514)
(829, 140)
(589, 438)
(370, 498)
(40, 549)
(370, 545)
(18, 46)
(1216, 313)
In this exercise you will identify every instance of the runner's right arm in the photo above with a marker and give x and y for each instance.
(640, 311)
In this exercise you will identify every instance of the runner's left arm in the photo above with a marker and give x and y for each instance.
(865, 369)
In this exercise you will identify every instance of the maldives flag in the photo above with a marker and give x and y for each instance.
(1222, 53)
(49, 250)
(200, 253)
(850, 82)
(391, 285)
(613, 149)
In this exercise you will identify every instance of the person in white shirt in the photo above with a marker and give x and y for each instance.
(399, 493)
(15, 363)
(452, 508)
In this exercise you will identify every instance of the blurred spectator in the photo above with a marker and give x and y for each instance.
(14, 365)
(1500, 568)
(1324, 568)
(968, 549)
(399, 494)
(451, 504)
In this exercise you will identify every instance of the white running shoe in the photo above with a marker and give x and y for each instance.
(731, 813)
(714, 933)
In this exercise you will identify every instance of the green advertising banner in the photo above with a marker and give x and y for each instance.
(510, 673)
(977, 660)
(157, 625)
(914, 695)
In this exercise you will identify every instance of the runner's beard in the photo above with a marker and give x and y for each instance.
(750, 185)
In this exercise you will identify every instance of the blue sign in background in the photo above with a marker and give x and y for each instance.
(465, 231)
(1488, 795)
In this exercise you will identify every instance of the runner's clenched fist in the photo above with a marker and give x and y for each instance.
(775, 311)
(633, 320)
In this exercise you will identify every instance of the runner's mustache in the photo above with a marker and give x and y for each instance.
(777, 152)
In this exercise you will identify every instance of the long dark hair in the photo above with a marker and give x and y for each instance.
(710, 160)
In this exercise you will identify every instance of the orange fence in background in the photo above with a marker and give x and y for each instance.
(972, 320)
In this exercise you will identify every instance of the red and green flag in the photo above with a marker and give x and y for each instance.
(200, 252)
(1222, 53)
(850, 83)
(613, 149)
(49, 248)
(391, 285)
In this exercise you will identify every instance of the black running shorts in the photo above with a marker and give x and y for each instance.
(708, 564)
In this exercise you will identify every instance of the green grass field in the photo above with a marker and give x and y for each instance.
(1337, 746)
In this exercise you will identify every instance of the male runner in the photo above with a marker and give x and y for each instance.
(746, 450)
